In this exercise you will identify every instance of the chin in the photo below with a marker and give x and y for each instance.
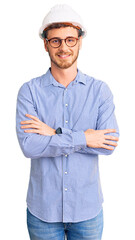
(64, 64)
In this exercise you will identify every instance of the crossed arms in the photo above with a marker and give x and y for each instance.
(37, 139)
(94, 138)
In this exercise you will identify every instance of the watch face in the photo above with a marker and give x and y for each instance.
(59, 130)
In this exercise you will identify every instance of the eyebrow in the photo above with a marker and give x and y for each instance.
(62, 38)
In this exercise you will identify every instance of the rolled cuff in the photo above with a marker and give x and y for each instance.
(79, 139)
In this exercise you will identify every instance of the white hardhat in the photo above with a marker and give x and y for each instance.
(62, 13)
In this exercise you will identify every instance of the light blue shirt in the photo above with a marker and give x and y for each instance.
(64, 183)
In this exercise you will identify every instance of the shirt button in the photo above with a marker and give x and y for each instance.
(66, 121)
(66, 155)
(65, 172)
(65, 189)
(66, 104)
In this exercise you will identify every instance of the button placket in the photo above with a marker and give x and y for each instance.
(65, 173)
(65, 99)
(65, 157)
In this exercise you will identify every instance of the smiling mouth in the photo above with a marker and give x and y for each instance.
(63, 56)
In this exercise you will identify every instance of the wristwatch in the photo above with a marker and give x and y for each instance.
(58, 130)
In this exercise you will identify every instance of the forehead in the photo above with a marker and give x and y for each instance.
(62, 32)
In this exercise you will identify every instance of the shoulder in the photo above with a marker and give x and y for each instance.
(96, 83)
(35, 82)
(99, 87)
(32, 84)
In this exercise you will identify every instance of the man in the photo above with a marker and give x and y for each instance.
(65, 119)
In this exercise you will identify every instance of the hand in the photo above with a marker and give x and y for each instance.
(37, 126)
(98, 139)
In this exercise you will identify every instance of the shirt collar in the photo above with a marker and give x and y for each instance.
(48, 79)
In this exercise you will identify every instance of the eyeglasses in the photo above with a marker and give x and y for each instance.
(56, 42)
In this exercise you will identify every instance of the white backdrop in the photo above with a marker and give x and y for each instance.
(108, 53)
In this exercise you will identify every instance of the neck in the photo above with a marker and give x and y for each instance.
(64, 76)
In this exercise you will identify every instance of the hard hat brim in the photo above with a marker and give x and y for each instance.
(72, 24)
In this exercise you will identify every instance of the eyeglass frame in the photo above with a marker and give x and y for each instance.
(48, 40)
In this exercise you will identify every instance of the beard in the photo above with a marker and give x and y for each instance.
(61, 62)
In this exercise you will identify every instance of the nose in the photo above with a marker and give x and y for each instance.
(63, 45)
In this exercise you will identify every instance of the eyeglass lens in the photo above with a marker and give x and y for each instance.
(56, 42)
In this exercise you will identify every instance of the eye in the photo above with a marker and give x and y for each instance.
(55, 41)
(71, 40)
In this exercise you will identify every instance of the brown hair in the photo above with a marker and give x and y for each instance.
(59, 25)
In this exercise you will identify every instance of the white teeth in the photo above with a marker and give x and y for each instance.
(63, 56)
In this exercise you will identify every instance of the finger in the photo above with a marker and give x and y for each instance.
(111, 138)
(28, 122)
(30, 126)
(109, 131)
(107, 147)
(32, 131)
(31, 116)
(111, 143)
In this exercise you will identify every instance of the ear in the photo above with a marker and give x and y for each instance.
(80, 42)
(45, 44)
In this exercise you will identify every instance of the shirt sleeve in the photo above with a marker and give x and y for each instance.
(106, 120)
(34, 145)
